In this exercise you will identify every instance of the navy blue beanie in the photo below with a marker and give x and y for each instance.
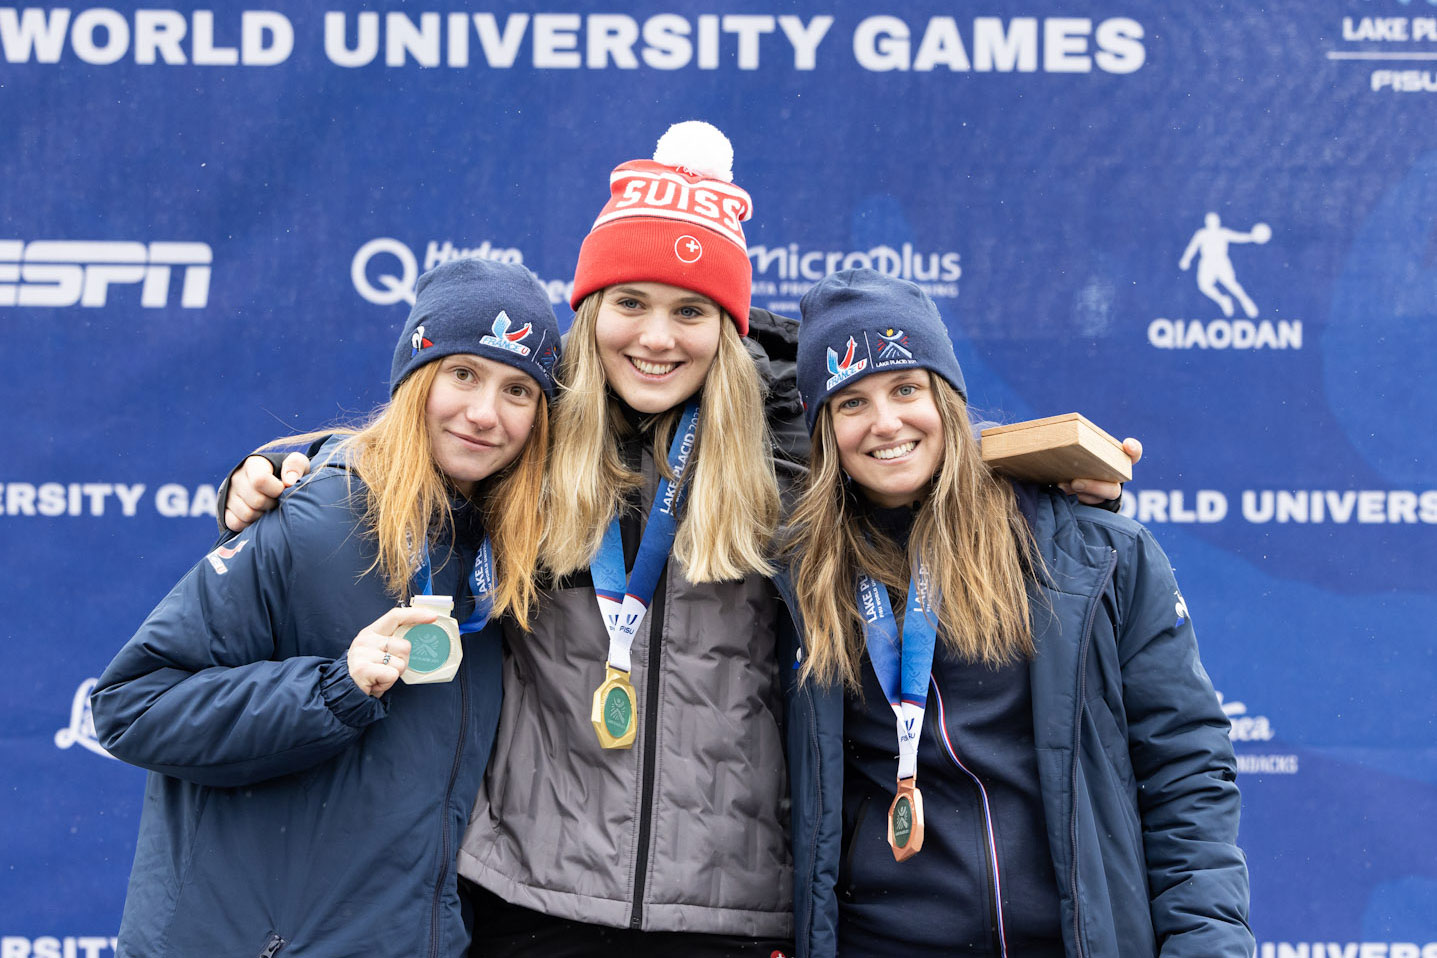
(495, 310)
(861, 321)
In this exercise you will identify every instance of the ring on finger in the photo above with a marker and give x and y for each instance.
(385, 660)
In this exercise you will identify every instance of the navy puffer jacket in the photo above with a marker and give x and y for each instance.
(1136, 770)
(287, 813)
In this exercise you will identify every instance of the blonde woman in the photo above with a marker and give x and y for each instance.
(634, 801)
(302, 799)
(637, 799)
(1064, 782)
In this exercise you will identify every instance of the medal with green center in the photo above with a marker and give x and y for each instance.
(905, 820)
(614, 710)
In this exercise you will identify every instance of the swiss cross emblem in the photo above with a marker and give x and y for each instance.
(688, 249)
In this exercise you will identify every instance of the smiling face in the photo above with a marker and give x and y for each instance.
(656, 343)
(478, 416)
(889, 435)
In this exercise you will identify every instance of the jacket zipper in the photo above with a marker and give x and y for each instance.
(651, 746)
(990, 852)
(804, 947)
(447, 861)
(846, 867)
(1081, 703)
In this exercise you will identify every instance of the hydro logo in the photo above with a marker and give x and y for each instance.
(385, 270)
(59, 273)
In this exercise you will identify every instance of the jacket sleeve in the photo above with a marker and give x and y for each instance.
(1183, 762)
(200, 692)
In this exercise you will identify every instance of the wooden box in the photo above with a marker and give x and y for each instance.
(1056, 449)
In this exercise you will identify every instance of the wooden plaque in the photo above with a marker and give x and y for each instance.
(1056, 449)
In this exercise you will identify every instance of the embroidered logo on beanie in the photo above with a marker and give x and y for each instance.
(503, 339)
(895, 343)
(863, 309)
(497, 311)
(845, 367)
(688, 249)
(648, 188)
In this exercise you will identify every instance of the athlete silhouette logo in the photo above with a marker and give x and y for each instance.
(1214, 265)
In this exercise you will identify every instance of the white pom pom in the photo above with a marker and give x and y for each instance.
(697, 146)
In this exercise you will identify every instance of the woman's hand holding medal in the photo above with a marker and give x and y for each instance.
(376, 657)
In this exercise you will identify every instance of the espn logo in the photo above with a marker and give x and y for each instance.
(81, 272)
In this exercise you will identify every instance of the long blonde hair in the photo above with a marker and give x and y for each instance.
(406, 497)
(968, 534)
(732, 504)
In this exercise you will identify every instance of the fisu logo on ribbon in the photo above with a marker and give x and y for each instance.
(624, 615)
(503, 339)
(841, 369)
(625, 622)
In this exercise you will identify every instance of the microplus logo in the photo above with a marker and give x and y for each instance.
(82, 272)
(792, 262)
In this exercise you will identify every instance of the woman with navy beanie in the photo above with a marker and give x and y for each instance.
(311, 768)
(1064, 782)
(637, 802)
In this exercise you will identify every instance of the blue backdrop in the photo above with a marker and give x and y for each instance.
(1206, 224)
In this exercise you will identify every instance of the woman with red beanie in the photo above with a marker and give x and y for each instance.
(637, 798)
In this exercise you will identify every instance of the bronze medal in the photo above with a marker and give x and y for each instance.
(905, 820)
(614, 711)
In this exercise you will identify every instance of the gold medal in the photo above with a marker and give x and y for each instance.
(905, 820)
(614, 710)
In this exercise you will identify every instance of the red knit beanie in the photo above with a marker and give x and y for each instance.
(675, 219)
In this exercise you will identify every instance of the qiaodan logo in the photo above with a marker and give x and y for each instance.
(1210, 249)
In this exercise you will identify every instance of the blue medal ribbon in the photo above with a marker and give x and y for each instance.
(624, 597)
(903, 667)
(481, 586)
